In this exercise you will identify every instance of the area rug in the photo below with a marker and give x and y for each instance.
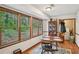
(38, 50)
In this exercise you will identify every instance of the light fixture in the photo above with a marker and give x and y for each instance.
(50, 8)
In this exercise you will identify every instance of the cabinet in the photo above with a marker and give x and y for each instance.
(52, 28)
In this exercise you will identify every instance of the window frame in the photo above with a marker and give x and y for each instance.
(32, 27)
(38, 34)
(12, 12)
(19, 26)
(41, 27)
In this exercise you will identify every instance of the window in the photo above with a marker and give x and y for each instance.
(9, 27)
(40, 25)
(16, 27)
(25, 27)
(35, 27)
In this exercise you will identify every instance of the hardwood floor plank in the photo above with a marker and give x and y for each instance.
(74, 48)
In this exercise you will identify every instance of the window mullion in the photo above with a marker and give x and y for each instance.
(19, 27)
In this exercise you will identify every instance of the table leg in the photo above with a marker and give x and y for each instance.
(56, 46)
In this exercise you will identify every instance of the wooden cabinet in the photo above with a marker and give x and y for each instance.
(52, 28)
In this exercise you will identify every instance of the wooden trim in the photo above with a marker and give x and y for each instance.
(19, 27)
(74, 28)
(0, 38)
(38, 28)
(67, 19)
(42, 27)
(16, 12)
(8, 10)
(12, 11)
(31, 34)
(56, 27)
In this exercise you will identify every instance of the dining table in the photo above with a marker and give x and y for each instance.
(52, 39)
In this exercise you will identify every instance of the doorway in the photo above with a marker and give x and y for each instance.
(70, 30)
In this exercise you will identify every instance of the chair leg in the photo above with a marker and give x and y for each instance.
(52, 52)
(42, 52)
(48, 52)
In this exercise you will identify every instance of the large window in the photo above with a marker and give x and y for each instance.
(25, 27)
(16, 27)
(35, 27)
(8, 24)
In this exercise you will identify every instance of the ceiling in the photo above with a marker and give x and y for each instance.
(38, 10)
(59, 9)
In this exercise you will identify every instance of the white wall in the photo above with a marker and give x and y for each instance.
(77, 40)
(23, 45)
(66, 16)
(45, 27)
(77, 28)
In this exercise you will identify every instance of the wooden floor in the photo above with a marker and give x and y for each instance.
(66, 44)
(74, 48)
